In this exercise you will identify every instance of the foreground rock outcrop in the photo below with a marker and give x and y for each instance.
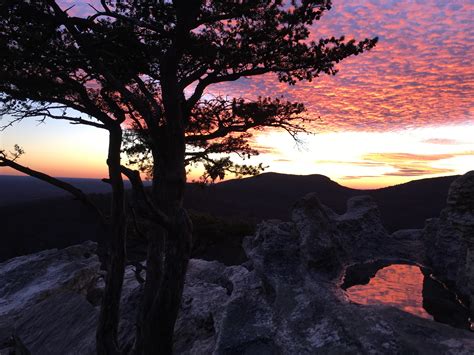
(449, 239)
(286, 299)
(43, 300)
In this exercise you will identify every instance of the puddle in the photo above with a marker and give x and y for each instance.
(407, 287)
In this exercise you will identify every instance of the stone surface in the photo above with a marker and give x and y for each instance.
(199, 321)
(61, 324)
(40, 294)
(449, 239)
(28, 279)
(302, 309)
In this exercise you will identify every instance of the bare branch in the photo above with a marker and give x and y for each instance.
(77, 193)
(145, 206)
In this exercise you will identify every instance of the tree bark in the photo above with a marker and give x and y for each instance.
(154, 270)
(107, 329)
(170, 249)
(167, 303)
(168, 256)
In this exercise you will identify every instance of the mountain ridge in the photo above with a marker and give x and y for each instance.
(272, 196)
(223, 213)
(43, 190)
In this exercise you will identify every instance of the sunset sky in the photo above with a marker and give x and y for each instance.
(403, 111)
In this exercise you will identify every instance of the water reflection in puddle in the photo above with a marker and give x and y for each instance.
(396, 285)
(407, 287)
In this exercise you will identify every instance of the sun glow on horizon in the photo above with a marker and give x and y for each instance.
(368, 160)
(363, 160)
(58, 149)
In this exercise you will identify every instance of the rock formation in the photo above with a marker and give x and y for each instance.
(286, 299)
(449, 239)
(43, 300)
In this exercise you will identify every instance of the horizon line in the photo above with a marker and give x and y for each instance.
(243, 178)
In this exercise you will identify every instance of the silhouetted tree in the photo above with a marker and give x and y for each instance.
(147, 65)
(217, 129)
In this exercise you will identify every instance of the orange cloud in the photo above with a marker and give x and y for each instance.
(417, 171)
(265, 149)
(407, 164)
(388, 158)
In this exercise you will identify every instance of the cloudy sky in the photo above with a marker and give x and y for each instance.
(400, 112)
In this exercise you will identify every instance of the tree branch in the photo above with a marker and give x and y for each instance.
(112, 79)
(145, 206)
(77, 193)
(214, 79)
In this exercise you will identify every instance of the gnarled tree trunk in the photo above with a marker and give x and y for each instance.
(107, 328)
(166, 270)
(168, 256)
(169, 250)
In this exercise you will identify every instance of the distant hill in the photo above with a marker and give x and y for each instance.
(19, 189)
(272, 195)
(269, 195)
(44, 224)
(36, 216)
(408, 205)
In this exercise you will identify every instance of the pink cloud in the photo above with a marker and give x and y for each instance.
(420, 74)
(442, 141)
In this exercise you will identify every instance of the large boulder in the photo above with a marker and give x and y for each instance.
(50, 303)
(330, 241)
(41, 293)
(31, 278)
(63, 323)
(449, 239)
(301, 308)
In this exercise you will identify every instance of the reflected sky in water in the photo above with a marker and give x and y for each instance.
(395, 285)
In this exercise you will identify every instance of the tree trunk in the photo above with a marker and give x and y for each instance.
(167, 304)
(165, 278)
(107, 328)
(168, 256)
(154, 268)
